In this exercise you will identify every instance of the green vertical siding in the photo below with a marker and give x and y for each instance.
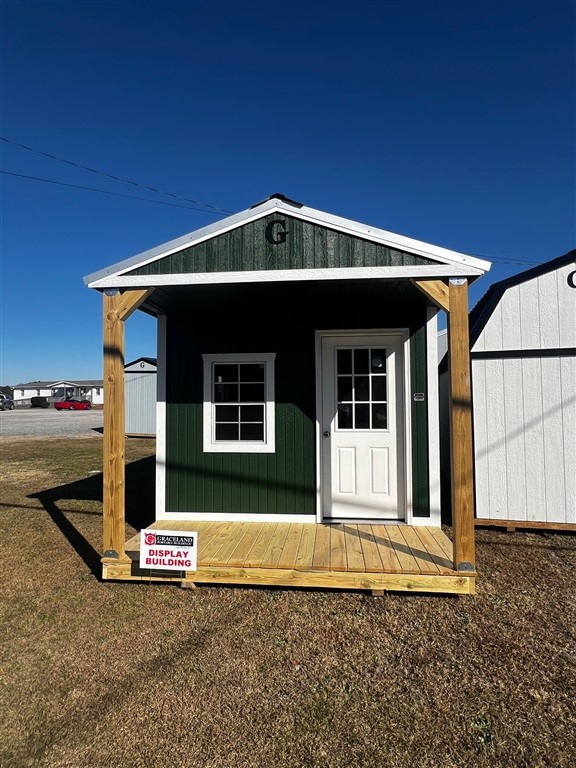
(280, 318)
(307, 246)
(420, 465)
(282, 482)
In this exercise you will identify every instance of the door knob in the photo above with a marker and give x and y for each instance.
(326, 434)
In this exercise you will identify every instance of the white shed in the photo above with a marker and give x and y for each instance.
(523, 357)
(140, 396)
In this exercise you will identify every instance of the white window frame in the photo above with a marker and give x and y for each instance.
(268, 445)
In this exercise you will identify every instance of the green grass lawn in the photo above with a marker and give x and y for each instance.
(132, 675)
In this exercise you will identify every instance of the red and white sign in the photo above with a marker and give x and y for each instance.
(168, 550)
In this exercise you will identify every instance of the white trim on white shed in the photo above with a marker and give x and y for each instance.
(523, 359)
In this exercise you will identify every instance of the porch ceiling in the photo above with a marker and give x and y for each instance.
(179, 297)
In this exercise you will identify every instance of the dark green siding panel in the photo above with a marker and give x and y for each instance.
(307, 246)
(245, 483)
(282, 482)
(280, 318)
(420, 466)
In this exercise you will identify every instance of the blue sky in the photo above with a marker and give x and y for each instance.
(449, 122)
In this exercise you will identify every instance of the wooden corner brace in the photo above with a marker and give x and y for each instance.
(436, 290)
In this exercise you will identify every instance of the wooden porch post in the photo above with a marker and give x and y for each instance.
(117, 308)
(461, 427)
(453, 299)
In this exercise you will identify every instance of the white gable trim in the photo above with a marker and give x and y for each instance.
(173, 246)
(346, 226)
(283, 275)
(390, 239)
(71, 384)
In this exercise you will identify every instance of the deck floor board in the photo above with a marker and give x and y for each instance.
(243, 546)
(439, 556)
(274, 547)
(423, 559)
(403, 552)
(306, 548)
(354, 554)
(390, 562)
(370, 550)
(339, 555)
(321, 556)
(287, 559)
(338, 560)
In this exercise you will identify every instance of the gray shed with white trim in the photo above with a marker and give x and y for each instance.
(140, 393)
(523, 357)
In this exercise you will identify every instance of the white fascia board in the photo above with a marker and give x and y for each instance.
(347, 226)
(68, 384)
(186, 241)
(47, 384)
(390, 239)
(282, 275)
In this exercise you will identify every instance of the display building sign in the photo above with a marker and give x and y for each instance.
(168, 550)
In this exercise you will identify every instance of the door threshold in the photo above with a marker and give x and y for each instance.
(362, 521)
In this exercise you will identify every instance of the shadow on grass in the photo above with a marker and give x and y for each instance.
(140, 496)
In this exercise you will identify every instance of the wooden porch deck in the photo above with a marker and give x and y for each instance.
(377, 558)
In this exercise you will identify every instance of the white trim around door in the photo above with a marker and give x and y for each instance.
(363, 434)
(161, 418)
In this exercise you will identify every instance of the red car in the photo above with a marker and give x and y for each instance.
(73, 405)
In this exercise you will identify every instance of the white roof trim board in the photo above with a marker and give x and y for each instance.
(437, 271)
(62, 382)
(114, 276)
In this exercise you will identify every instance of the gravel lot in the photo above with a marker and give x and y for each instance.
(40, 422)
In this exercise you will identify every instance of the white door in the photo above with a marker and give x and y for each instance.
(362, 443)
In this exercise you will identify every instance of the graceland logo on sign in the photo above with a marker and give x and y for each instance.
(168, 550)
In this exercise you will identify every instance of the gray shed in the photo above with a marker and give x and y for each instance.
(140, 394)
(523, 358)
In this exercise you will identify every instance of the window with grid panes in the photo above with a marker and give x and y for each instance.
(239, 403)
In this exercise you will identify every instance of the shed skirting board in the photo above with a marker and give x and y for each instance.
(248, 517)
(235, 517)
(377, 583)
(512, 525)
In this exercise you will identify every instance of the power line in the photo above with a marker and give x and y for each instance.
(512, 262)
(187, 207)
(106, 192)
(220, 211)
(215, 209)
(504, 260)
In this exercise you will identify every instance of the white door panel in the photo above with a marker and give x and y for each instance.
(380, 471)
(362, 425)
